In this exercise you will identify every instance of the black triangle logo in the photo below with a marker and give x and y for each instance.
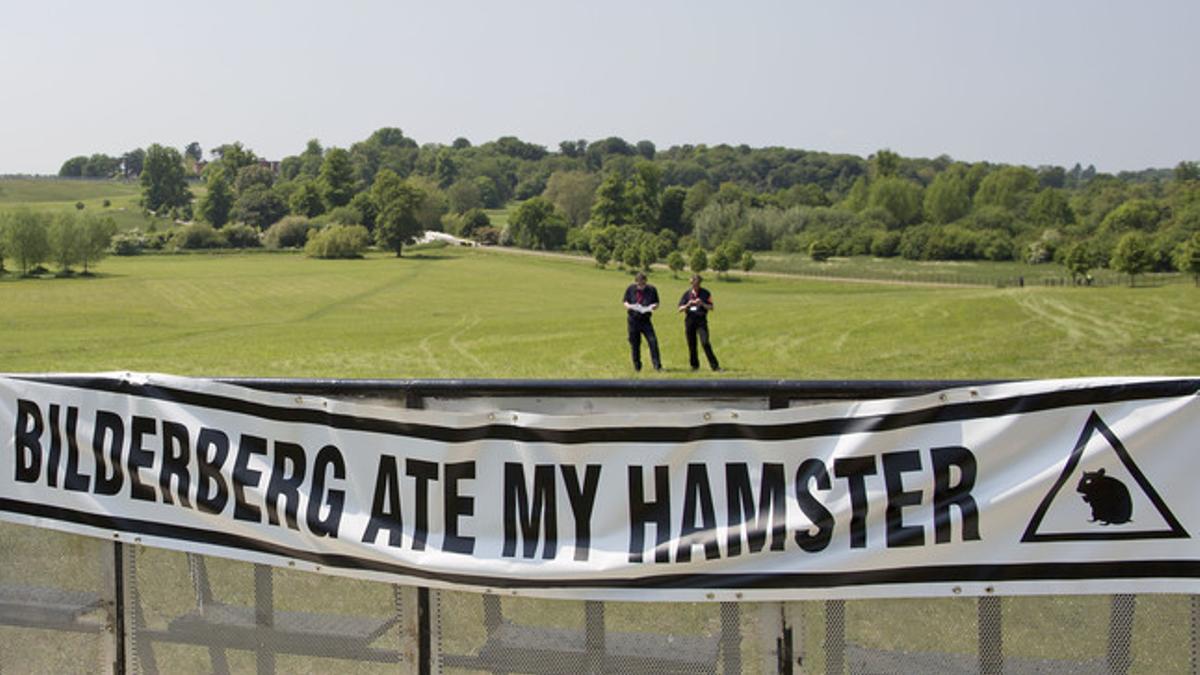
(1116, 513)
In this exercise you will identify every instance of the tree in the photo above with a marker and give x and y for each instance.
(1188, 260)
(899, 197)
(398, 202)
(73, 168)
(884, 164)
(306, 199)
(720, 262)
(1006, 187)
(676, 262)
(747, 262)
(670, 215)
(1187, 171)
(433, 206)
(535, 224)
(473, 221)
(572, 193)
(337, 178)
(366, 207)
(97, 235)
(947, 198)
(649, 254)
(252, 177)
(631, 255)
(644, 197)
(132, 162)
(217, 202)
(235, 157)
(699, 261)
(101, 166)
(1132, 255)
(602, 255)
(1134, 214)
(25, 239)
(611, 206)
(819, 251)
(164, 184)
(858, 195)
(193, 152)
(63, 237)
(463, 196)
(697, 198)
(1050, 209)
(1078, 261)
(445, 168)
(260, 207)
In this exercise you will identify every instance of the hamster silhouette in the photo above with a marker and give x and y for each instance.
(1108, 497)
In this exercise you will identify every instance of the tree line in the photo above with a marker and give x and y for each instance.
(67, 240)
(694, 197)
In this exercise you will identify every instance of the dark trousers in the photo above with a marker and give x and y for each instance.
(697, 327)
(639, 324)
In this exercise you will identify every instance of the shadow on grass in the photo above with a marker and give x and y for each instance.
(426, 257)
(11, 276)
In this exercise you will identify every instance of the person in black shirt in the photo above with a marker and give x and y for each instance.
(641, 299)
(696, 303)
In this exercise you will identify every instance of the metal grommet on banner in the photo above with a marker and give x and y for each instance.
(707, 416)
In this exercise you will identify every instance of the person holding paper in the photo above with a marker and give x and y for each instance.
(696, 303)
(641, 299)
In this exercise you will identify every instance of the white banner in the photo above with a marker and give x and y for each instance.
(1068, 486)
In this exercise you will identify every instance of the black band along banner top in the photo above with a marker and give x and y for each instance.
(1056, 486)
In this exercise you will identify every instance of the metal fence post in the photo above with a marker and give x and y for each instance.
(112, 569)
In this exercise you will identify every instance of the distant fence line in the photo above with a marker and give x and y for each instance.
(1104, 279)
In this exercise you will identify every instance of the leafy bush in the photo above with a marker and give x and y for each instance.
(291, 232)
(488, 236)
(129, 243)
(240, 235)
(602, 255)
(197, 236)
(676, 262)
(473, 221)
(338, 241)
(345, 215)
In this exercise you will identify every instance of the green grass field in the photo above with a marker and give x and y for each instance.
(59, 194)
(480, 313)
(484, 313)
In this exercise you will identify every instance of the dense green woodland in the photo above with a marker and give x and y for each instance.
(631, 203)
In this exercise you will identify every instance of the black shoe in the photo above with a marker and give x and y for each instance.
(658, 368)
(716, 369)
(637, 367)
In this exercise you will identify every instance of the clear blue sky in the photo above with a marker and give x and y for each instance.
(1115, 84)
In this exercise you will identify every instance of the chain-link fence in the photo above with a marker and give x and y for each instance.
(72, 604)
